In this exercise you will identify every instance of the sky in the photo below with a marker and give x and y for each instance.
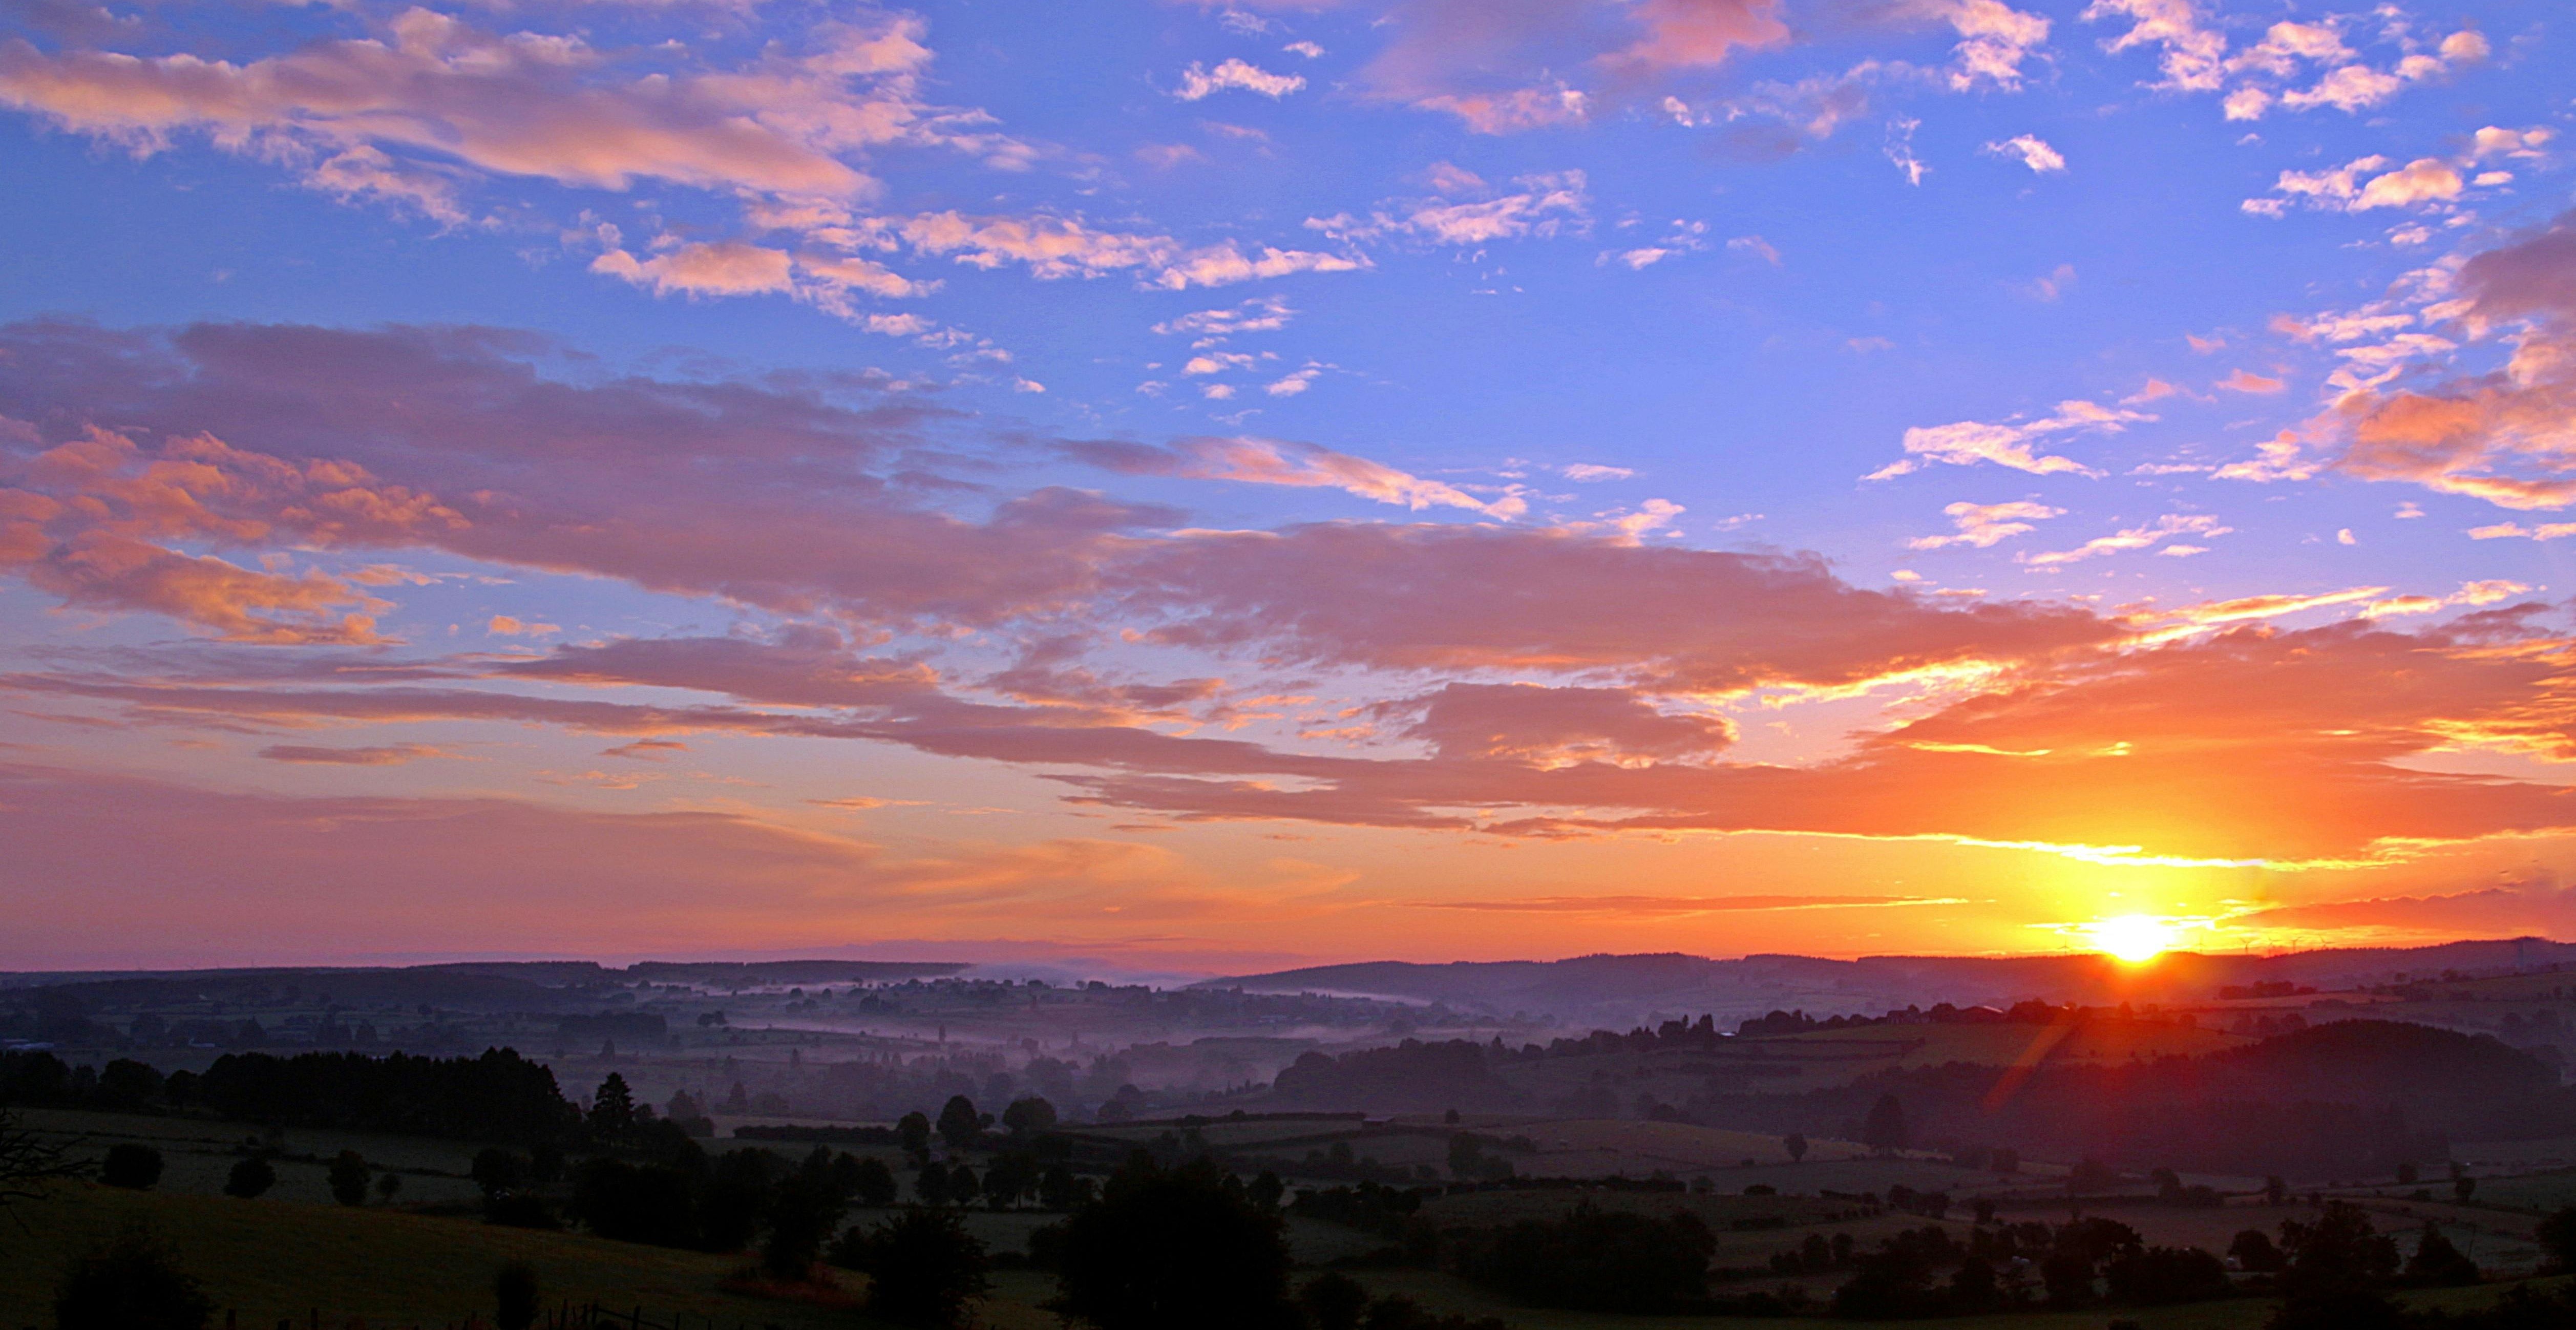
(1216, 487)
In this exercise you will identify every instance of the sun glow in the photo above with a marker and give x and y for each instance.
(2134, 938)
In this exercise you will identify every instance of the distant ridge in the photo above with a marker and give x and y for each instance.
(490, 984)
(1592, 986)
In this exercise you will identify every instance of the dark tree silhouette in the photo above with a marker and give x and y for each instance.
(1796, 1145)
(498, 1172)
(348, 1176)
(913, 1129)
(1596, 1260)
(1174, 1250)
(514, 1295)
(135, 1167)
(1333, 1301)
(932, 1183)
(959, 1124)
(2438, 1262)
(801, 1216)
(1884, 1131)
(29, 1164)
(923, 1267)
(133, 1283)
(2557, 1235)
(2254, 1252)
(872, 1183)
(250, 1178)
(1029, 1117)
(612, 1109)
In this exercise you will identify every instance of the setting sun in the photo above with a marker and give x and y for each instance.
(2132, 937)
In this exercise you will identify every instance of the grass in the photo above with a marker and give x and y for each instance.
(269, 1261)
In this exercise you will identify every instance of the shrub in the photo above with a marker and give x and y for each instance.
(923, 1267)
(250, 1179)
(2438, 1262)
(349, 1178)
(1596, 1260)
(1333, 1301)
(131, 1166)
(1174, 1250)
(2160, 1275)
(873, 1183)
(133, 1283)
(2557, 1235)
(514, 1295)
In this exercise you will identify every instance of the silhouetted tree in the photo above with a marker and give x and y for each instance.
(959, 1124)
(2437, 1262)
(2160, 1275)
(2557, 1235)
(514, 1297)
(1884, 1130)
(1596, 1260)
(802, 1214)
(497, 1171)
(636, 1203)
(612, 1109)
(135, 1167)
(872, 1183)
(1029, 1117)
(1973, 1286)
(2329, 1268)
(923, 1267)
(1333, 1301)
(250, 1178)
(932, 1183)
(348, 1176)
(1795, 1145)
(133, 1283)
(1174, 1250)
(913, 1129)
(2463, 1188)
(388, 1185)
(2254, 1252)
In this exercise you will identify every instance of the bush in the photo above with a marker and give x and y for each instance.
(2557, 1235)
(2160, 1275)
(349, 1178)
(514, 1295)
(250, 1179)
(1174, 1250)
(133, 1283)
(802, 1214)
(519, 1209)
(923, 1267)
(1333, 1301)
(625, 1202)
(873, 1183)
(135, 1167)
(2438, 1263)
(1596, 1260)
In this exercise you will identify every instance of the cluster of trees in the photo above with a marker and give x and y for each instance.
(2333, 1270)
(499, 1095)
(2350, 1099)
(2033, 1012)
(1592, 1259)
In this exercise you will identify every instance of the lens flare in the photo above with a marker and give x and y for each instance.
(2132, 937)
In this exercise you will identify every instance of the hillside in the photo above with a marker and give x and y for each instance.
(1624, 989)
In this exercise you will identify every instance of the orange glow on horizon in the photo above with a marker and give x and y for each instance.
(2133, 938)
